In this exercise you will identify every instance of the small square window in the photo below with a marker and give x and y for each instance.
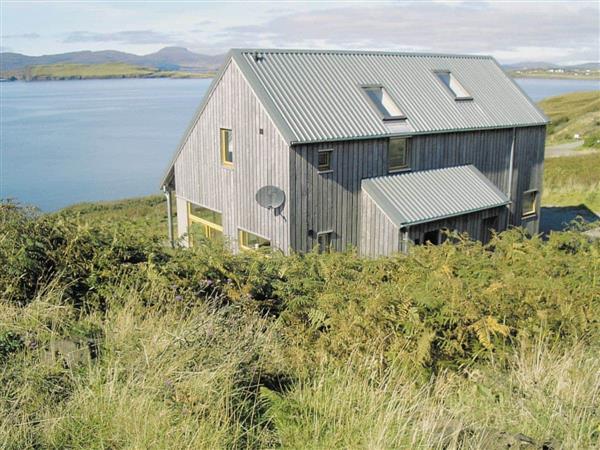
(453, 85)
(397, 155)
(529, 203)
(226, 150)
(324, 163)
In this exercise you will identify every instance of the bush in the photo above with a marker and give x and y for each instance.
(204, 348)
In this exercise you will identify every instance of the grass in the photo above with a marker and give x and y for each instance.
(92, 71)
(575, 113)
(110, 340)
(145, 215)
(572, 181)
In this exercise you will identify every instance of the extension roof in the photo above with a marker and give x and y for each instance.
(417, 197)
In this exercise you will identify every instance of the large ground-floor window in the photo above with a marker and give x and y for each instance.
(203, 223)
(249, 241)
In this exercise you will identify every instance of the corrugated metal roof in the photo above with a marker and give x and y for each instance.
(418, 197)
(315, 95)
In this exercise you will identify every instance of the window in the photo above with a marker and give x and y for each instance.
(324, 163)
(384, 104)
(203, 223)
(226, 150)
(397, 155)
(324, 241)
(453, 85)
(529, 203)
(249, 241)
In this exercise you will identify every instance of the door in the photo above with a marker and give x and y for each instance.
(488, 225)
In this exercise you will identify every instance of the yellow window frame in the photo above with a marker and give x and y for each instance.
(242, 240)
(223, 141)
(209, 227)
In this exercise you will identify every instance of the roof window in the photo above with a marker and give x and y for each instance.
(453, 85)
(384, 104)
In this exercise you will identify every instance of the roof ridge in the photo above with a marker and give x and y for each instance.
(357, 52)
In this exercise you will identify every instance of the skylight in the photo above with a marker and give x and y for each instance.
(384, 104)
(450, 81)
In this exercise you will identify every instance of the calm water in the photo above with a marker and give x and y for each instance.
(63, 142)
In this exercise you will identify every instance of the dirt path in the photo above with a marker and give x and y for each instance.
(568, 149)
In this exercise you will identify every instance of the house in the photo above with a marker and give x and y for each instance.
(301, 148)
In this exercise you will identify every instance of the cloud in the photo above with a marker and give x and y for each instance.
(123, 37)
(21, 36)
(515, 31)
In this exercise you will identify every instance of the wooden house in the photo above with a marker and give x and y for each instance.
(301, 148)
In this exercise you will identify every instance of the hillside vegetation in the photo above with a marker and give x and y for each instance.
(575, 113)
(95, 71)
(572, 180)
(110, 340)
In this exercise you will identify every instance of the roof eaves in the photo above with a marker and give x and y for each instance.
(169, 172)
(408, 134)
(448, 216)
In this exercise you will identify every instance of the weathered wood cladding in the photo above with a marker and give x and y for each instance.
(381, 237)
(259, 159)
(490, 152)
(378, 234)
(528, 174)
(332, 201)
(467, 223)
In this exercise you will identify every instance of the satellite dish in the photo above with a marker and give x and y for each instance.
(270, 197)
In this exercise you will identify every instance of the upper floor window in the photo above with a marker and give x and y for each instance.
(249, 241)
(397, 155)
(384, 104)
(453, 85)
(226, 150)
(529, 203)
(324, 163)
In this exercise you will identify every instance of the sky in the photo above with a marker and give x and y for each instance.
(566, 32)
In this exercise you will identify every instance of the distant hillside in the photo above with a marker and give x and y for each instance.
(540, 65)
(571, 114)
(169, 58)
(95, 71)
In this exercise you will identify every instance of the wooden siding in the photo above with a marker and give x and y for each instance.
(378, 234)
(332, 201)
(490, 152)
(467, 223)
(259, 160)
(528, 174)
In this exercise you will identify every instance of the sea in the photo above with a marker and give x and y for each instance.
(67, 142)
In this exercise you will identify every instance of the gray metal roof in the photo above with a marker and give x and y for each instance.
(315, 95)
(417, 197)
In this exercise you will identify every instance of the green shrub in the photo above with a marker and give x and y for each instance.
(208, 349)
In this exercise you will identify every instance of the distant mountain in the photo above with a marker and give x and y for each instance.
(586, 66)
(168, 58)
(530, 65)
(540, 65)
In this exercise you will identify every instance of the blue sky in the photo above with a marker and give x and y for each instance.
(555, 31)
